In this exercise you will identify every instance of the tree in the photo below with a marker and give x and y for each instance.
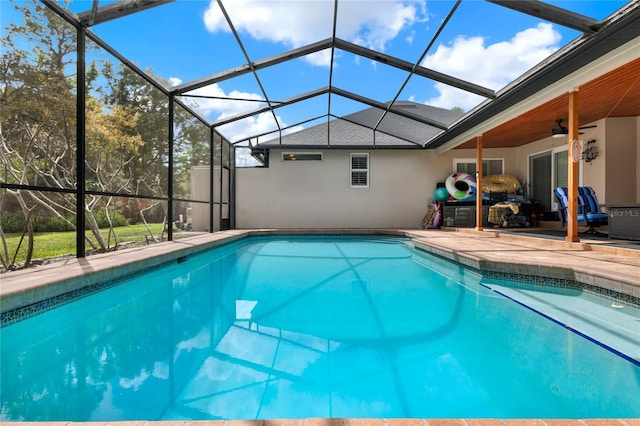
(126, 136)
(37, 115)
(38, 123)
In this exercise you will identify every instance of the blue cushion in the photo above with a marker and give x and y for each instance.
(589, 199)
(587, 203)
(597, 217)
(563, 197)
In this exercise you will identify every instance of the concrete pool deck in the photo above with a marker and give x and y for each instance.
(587, 262)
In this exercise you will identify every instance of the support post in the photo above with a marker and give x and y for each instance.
(81, 141)
(170, 170)
(212, 138)
(479, 172)
(572, 183)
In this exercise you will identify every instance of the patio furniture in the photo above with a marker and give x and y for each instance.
(589, 213)
(624, 221)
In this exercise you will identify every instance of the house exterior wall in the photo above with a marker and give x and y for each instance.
(590, 174)
(311, 194)
(507, 154)
(620, 158)
(637, 159)
(594, 173)
(317, 194)
(200, 190)
(614, 174)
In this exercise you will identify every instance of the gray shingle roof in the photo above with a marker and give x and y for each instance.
(356, 130)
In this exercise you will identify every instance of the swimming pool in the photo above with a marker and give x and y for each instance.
(287, 327)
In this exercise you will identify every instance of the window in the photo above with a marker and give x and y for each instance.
(301, 156)
(490, 166)
(359, 170)
(561, 168)
(540, 188)
(548, 170)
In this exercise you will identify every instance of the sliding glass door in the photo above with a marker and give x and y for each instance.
(540, 179)
(548, 170)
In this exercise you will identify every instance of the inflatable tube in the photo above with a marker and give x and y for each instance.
(461, 186)
(500, 183)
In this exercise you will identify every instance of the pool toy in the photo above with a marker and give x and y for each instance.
(500, 183)
(441, 194)
(461, 186)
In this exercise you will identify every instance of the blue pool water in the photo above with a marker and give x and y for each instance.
(308, 327)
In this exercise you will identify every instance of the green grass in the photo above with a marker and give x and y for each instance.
(53, 244)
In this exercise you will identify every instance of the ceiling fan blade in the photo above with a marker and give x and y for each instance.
(588, 127)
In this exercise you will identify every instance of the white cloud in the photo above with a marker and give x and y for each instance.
(175, 81)
(492, 66)
(371, 23)
(297, 23)
(218, 105)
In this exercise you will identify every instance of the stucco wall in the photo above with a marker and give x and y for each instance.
(615, 172)
(316, 194)
(591, 174)
(620, 146)
(311, 194)
(594, 173)
(637, 159)
(507, 154)
(200, 190)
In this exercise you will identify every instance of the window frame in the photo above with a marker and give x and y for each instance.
(473, 161)
(287, 156)
(353, 170)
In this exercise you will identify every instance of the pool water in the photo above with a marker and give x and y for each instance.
(296, 327)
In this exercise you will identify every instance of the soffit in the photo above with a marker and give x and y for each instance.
(615, 94)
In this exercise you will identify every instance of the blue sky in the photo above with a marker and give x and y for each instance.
(188, 39)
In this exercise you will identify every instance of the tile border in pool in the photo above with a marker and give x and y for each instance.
(24, 312)
(78, 288)
(531, 281)
(619, 285)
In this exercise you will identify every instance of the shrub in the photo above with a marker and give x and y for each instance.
(54, 224)
(117, 219)
(12, 222)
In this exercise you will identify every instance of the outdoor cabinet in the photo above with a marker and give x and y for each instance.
(624, 221)
(465, 216)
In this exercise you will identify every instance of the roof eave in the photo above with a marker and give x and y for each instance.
(586, 58)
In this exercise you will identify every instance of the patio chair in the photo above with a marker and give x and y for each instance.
(589, 213)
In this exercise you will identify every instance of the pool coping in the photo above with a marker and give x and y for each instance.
(19, 289)
(595, 268)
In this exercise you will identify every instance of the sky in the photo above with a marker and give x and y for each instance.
(186, 40)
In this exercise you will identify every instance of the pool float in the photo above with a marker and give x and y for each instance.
(461, 186)
(500, 183)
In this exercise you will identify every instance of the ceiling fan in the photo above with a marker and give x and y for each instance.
(559, 130)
